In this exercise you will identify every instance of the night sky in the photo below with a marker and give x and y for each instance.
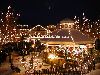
(51, 11)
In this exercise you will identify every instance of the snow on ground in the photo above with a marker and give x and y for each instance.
(95, 72)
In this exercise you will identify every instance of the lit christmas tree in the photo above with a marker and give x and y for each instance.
(85, 24)
(76, 23)
(96, 28)
(8, 30)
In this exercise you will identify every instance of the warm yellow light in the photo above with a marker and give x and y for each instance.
(33, 46)
(52, 56)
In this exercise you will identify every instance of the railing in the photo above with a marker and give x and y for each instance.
(53, 72)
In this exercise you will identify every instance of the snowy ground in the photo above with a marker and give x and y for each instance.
(24, 66)
(38, 64)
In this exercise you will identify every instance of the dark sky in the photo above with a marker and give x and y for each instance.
(51, 11)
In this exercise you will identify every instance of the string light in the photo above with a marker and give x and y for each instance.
(8, 29)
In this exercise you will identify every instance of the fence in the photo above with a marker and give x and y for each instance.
(53, 72)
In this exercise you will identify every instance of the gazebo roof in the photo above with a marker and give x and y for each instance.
(66, 20)
(68, 36)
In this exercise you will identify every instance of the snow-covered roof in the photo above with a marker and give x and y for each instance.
(69, 36)
(66, 20)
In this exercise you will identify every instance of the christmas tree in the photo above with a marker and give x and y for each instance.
(8, 30)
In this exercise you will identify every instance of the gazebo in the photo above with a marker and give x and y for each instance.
(70, 40)
(67, 35)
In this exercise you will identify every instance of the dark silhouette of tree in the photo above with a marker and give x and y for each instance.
(97, 44)
(39, 46)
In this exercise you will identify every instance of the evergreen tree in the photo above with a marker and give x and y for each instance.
(39, 46)
(8, 29)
